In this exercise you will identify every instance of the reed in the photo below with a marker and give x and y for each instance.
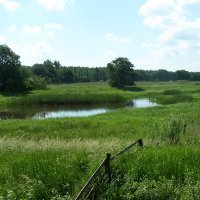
(53, 158)
(168, 172)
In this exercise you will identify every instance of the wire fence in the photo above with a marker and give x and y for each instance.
(103, 169)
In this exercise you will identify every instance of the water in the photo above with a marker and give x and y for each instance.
(44, 112)
(69, 113)
(143, 103)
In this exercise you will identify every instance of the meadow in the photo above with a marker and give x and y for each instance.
(53, 158)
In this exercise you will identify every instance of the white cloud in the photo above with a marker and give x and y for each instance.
(179, 48)
(185, 2)
(47, 29)
(10, 5)
(50, 34)
(120, 40)
(2, 39)
(178, 34)
(109, 54)
(55, 4)
(34, 52)
(162, 14)
(53, 26)
(32, 29)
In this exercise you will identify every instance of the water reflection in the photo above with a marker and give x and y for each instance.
(69, 113)
(142, 103)
(43, 112)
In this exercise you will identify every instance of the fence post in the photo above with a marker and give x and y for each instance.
(140, 142)
(184, 128)
(107, 166)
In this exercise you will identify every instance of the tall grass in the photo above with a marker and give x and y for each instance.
(170, 172)
(68, 94)
(96, 93)
(48, 168)
(53, 158)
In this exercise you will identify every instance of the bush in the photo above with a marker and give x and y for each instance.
(171, 129)
(35, 82)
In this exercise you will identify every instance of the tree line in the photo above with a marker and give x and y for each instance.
(54, 73)
(164, 75)
(120, 72)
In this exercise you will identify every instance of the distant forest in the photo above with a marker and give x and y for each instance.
(53, 72)
(15, 77)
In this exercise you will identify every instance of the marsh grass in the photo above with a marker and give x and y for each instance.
(172, 92)
(172, 128)
(33, 169)
(156, 173)
(41, 172)
(173, 99)
(101, 93)
(93, 93)
(53, 158)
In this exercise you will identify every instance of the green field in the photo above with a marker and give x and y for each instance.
(53, 158)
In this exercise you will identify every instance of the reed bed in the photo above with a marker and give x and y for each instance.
(167, 172)
(53, 158)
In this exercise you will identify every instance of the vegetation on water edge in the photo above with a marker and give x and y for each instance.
(53, 158)
(101, 93)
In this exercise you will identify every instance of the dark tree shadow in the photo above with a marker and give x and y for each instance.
(131, 88)
(15, 93)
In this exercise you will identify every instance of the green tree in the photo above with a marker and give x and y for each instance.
(52, 70)
(11, 78)
(48, 70)
(66, 75)
(120, 72)
(183, 75)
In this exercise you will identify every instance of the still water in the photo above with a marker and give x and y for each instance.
(44, 112)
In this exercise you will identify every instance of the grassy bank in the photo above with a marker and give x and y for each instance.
(93, 93)
(101, 93)
(53, 158)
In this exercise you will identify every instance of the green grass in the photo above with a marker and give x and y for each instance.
(53, 158)
(93, 93)
(101, 93)
(167, 172)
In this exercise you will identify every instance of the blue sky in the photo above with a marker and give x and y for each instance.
(152, 34)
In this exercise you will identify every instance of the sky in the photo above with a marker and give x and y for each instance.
(152, 34)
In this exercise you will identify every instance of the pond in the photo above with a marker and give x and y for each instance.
(44, 112)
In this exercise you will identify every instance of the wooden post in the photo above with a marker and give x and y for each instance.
(140, 142)
(85, 189)
(184, 128)
(107, 166)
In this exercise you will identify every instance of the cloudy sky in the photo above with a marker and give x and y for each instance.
(153, 34)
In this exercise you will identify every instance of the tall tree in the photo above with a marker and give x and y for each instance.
(183, 75)
(120, 72)
(10, 77)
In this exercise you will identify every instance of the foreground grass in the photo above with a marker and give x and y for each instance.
(53, 158)
(167, 172)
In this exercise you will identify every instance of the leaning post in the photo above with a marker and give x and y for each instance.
(140, 143)
(107, 166)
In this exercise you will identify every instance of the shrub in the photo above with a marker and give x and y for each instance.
(35, 82)
(172, 129)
